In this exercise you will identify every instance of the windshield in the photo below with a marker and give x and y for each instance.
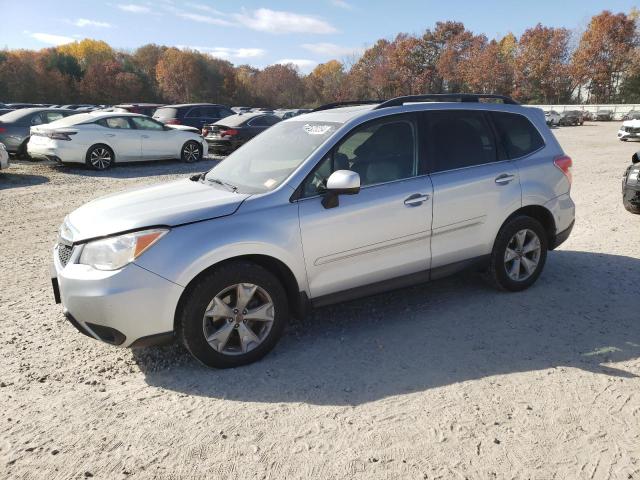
(266, 161)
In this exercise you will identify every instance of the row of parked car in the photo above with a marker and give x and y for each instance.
(578, 117)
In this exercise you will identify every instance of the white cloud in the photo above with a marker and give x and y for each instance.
(130, 7)
(305, 65)
(196, 17)
(342, 4)
(84, 22)
(204, 8)
(51, 39)
(229, 53)
(272, 21)
(331, 49)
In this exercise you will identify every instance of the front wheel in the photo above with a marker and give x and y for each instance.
(191, 152)
(519, 254)
(233, 316)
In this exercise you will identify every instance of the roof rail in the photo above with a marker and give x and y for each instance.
(445, 97)
(329, 106)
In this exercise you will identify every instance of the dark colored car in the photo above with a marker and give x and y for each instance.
(15, 125)
(147, 109)
(631, 185)
(231, 132)
(571, 117)
(604, 115)
(632, 115)
(192, 114)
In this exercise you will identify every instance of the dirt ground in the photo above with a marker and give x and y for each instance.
(448, 380)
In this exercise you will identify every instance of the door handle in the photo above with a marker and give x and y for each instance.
(109, 134)
(145, 136)
(504, 178)
(416, 199)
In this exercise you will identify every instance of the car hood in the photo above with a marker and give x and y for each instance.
(631, 123)
(170, 204)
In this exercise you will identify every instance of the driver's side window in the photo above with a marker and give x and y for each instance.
(380, 151)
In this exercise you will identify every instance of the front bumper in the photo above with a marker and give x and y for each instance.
(626, 135)
(123, 307)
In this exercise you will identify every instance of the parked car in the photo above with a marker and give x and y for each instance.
(604, 115)
(4, 157)
(241, 109)
(15, 125)
(630, 129)
(571, 117)
(230, 133)
(193, 114)
(17, 106)
(631, 185)
(141, 108)
(588, 116)
(552, 117)
(100, 140)
(632, 115)
(316, 210)
(76, 106)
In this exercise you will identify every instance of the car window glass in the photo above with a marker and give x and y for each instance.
(380, 151)
(258, 122)
(117, 123)
(210, 112)
(458, 139)
(518, 136)
(194, 113)
(269, 120)
(146, 124)
(37, 119)
(53, 116)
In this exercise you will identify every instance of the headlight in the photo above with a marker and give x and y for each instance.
(116, 252)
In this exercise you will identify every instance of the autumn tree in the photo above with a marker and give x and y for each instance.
(326, 83)
(604, 53)
(542, 72)
(279, 86)
(88, 51)
(107, 82)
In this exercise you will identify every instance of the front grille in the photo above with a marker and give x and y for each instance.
(633, 130)
(64, 253)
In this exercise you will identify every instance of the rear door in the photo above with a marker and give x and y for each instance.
(121, 135)
(474, 186)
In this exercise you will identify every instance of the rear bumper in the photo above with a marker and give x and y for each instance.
(56, 151)
(561, 237)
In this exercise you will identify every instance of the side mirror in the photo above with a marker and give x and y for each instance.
(634, 159)
(341, 182)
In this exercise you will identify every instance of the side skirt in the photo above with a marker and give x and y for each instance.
(404, 281)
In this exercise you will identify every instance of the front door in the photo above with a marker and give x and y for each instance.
(379, 234)
(157, 143)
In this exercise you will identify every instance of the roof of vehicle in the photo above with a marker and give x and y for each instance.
(88, 117)
(14, 115)
(240, 118)
(182, 105)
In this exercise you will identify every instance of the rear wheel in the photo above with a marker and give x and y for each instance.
(519, 254)
(191, 152)
(233, 316)
(100, 157)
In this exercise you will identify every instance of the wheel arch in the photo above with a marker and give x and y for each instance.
(101, 144)
(541, 214)
(296, 298)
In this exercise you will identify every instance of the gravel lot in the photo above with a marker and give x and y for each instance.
(447, 380)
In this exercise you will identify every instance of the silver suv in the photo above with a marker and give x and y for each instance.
(343, 202)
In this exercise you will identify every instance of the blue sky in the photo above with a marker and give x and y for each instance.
(261, 33)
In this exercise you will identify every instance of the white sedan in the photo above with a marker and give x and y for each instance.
(629, 129)
(100, 139)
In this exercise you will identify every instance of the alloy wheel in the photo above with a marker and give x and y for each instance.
(100, 158)
(522, 255)
(238, 319)
(191, 152)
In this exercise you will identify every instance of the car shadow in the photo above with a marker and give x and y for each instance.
(17, 180)
(582, 313)
(141, 169)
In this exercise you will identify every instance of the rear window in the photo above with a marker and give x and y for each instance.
(234, 120)
(516, 133)
(165, 113)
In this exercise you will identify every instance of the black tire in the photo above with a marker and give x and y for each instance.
(498, 268)
(629, 207)
(191, 152)
(100, 157)
(191, 329)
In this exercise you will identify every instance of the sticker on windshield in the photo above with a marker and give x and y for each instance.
(316, 129)
(270, 183)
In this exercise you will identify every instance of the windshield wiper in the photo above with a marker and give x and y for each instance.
(225, 184)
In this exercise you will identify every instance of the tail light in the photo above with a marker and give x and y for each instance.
(173, 121)
(205, 131)
(564, 163)
(60, 135)
(2, 129)
(229, 133)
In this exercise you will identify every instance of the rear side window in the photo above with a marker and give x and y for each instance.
(457, 139)
(195, 112)
(165, 113)
(516, 133)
